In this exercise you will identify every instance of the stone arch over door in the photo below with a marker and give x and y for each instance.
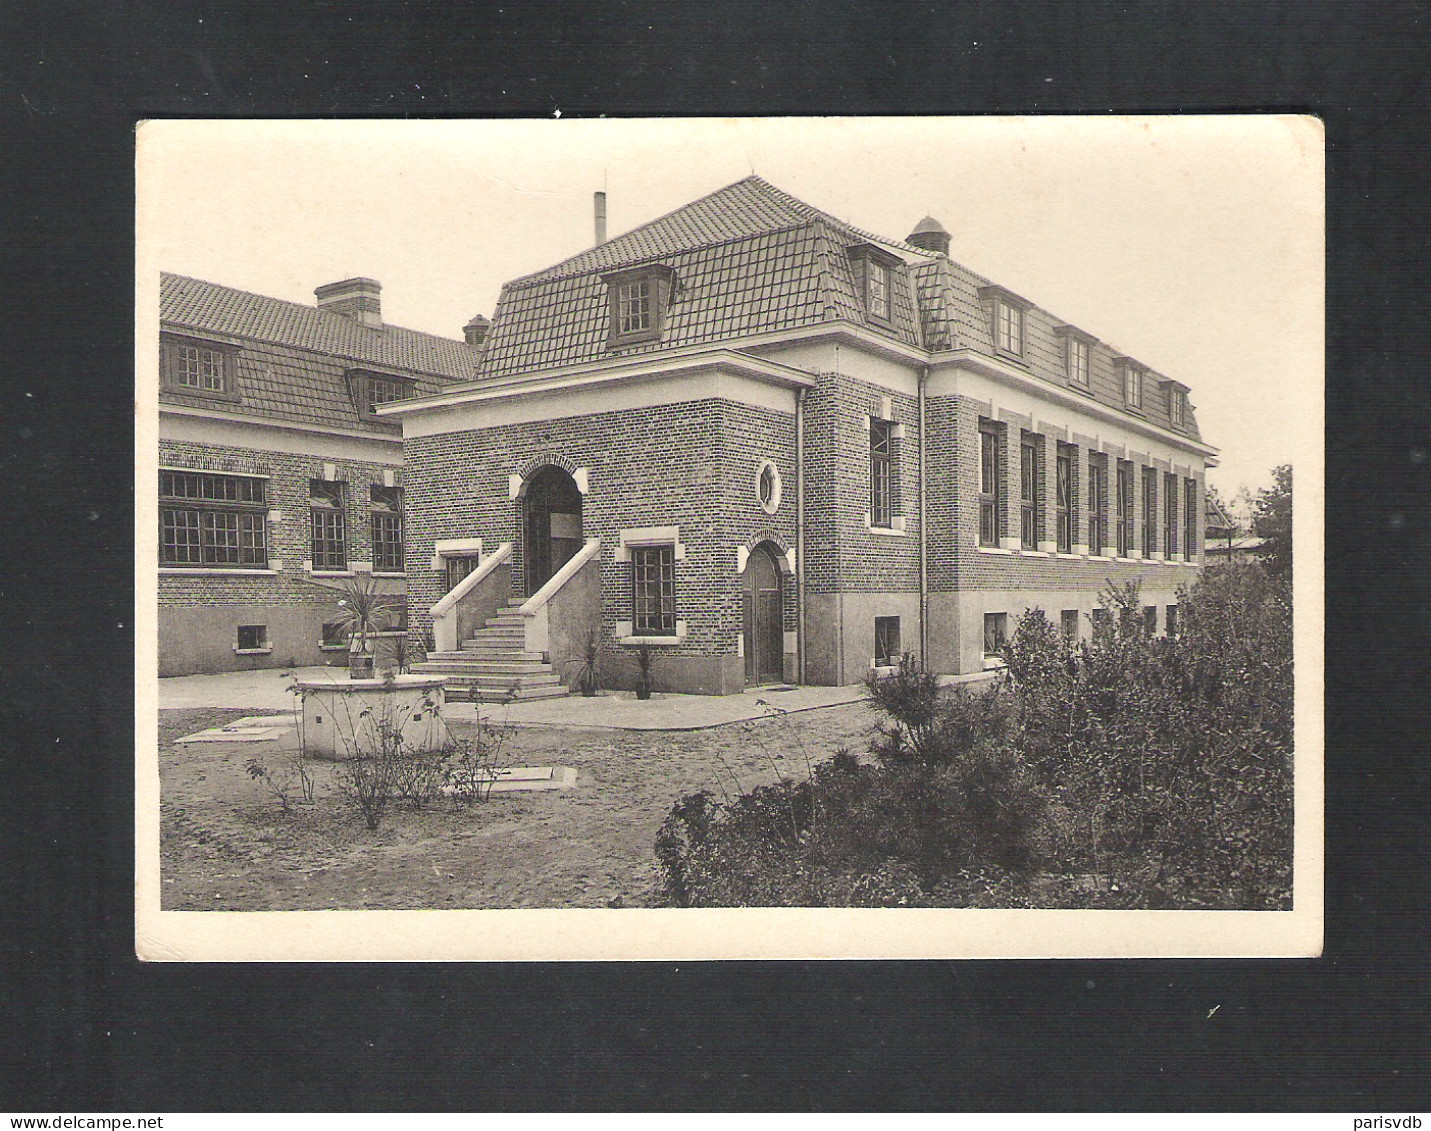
(551, 505)
(762, 587)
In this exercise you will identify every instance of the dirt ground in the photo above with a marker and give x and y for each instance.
(227, 845)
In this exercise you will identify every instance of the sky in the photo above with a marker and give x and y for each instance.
(1193, 243)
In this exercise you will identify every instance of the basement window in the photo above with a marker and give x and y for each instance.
(252, 638)
(887, 652)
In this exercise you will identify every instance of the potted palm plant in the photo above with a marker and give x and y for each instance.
(364, 609)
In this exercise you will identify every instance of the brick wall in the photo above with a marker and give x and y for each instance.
(841, 552)
(956, 562)
(691, 465)
(288, 538)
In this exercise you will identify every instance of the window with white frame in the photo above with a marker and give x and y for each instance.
(1007, 314)
(639, 301)
(1132, 386)
(1177, 406)
(1077, 362)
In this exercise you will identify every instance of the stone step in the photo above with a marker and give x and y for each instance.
(474, 656)
(489, 650)
(502, 668)
(481, 694)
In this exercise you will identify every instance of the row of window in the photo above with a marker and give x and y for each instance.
(996, 625)
(1176, 513)
(208, 370)
(1008, 315)
(221, 521)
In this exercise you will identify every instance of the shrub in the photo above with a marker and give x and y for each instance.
(1168, 759)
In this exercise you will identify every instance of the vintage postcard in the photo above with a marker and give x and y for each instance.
(729, 539)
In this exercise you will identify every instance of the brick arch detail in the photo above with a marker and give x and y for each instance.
(782, 559)
(528, 467)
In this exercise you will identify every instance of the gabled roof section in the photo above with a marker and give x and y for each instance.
(749, 207)
(193, 304)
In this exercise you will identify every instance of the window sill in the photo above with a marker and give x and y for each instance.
(993, 663)
(994, 550)
(1100, 558)
(216, 571)
(252, 651)
(388, 573)
(883, 671)
(332, 647)
(331, 573)
(650, 639)
(1034, 553)
(1069, 557)
(888, 531)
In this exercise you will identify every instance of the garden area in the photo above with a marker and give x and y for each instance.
(1122, 770)
(1125, 771)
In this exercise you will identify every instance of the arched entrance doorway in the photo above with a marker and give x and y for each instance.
(551, 522)
(764, 638)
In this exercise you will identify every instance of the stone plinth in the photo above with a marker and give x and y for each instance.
(343, 719)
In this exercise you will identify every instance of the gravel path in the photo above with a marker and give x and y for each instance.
(226, 844)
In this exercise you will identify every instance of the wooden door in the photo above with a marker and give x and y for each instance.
(761, 616)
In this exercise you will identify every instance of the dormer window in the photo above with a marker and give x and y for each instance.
(1007, 320)
(1133, 378)
(369, 390)
(639, 299)
(1077, 355)
(874, 280)
(198, 369)
(1177, 404)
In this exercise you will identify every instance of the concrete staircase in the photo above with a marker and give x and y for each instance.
(492, 665)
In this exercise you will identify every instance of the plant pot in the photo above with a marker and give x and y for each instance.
(360, 665)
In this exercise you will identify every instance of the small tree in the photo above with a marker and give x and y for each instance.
(1272, 522)
(363, 609)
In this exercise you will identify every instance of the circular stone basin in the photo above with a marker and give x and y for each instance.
(345, 719)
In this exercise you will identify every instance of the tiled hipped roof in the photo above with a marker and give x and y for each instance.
(751, 259)
(198, 305)
(293, 359)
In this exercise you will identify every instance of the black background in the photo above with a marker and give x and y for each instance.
(88, 1028)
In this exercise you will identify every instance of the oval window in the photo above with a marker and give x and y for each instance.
(767, 487)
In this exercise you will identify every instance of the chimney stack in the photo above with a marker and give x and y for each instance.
(354, 298)
(476, 331)
(600, 218)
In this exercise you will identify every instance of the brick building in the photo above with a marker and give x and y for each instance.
(274, 469)
(773, 447)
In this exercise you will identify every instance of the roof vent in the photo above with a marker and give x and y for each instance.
(930, 235)
(476, 331)
(354, 298)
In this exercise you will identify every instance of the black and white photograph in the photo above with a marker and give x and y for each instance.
(729, 538)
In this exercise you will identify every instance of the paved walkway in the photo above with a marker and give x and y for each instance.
(612, 710)
(268, 691)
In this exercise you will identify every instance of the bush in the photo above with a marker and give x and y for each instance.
(1168, 760)
(1125, 771)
